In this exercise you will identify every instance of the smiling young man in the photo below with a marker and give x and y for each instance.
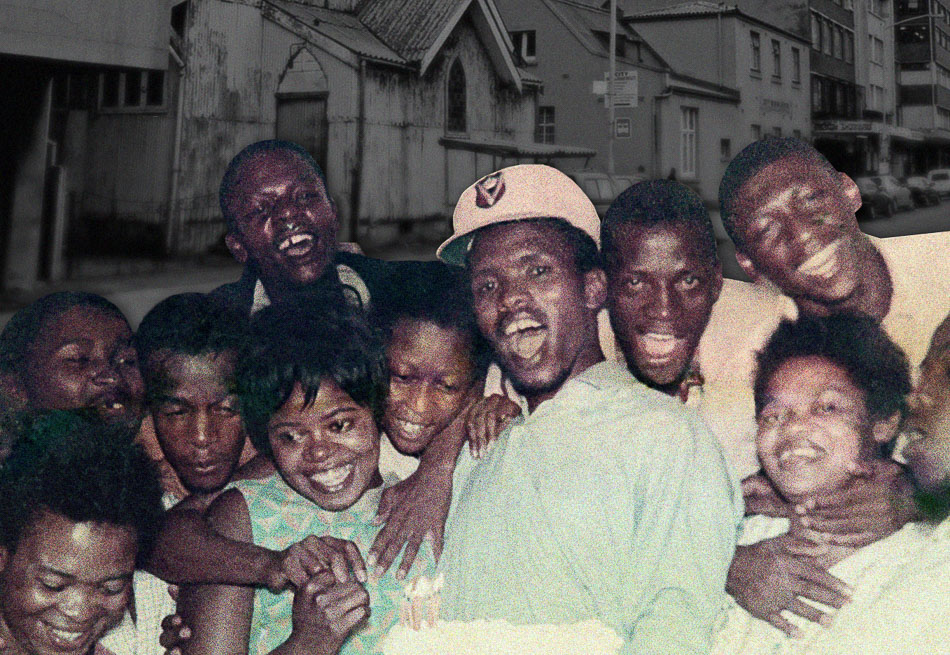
(282, 225)
(72, 350)
(584, 508)
(80, 504)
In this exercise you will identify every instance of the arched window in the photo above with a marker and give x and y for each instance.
(456, 105)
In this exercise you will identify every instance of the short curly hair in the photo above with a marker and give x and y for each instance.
(752, 159)
(306, 338)
(856, 343)
(436, 293)
(658, 202)
(189, 324)
(70, 464)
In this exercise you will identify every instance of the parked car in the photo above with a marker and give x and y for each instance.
(900, 193)
(922, 190)
(941, 179)
(601, 187)
(873, 201)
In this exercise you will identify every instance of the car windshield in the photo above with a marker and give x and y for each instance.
(940, 176)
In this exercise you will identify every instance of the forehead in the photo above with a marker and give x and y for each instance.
(637, 244)
(182, 370)
(509, 243)
(809, 375)
(83, 549)
(271, 168)
(82, 322)
(782, 178)
(330, 397)
(419, 339)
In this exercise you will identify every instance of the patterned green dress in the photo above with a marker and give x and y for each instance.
(279, 518)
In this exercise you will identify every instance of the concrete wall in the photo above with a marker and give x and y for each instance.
(568, 70)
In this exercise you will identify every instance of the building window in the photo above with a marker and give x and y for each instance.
(826, 30)
(837, 41)
(797, 134)
(776, 58)
(725, 150)
(524, 43)
(777, 131)
(796, 66)
(456, 105)
(815, 32)
(816, 95)
(544, 129)
(132, 90)
(688, 120)
(756, 132)
(849, 46)
(756, 51)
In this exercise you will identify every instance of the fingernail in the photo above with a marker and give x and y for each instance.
(378, 571)
(361, 576)
(826, 620)
(400, 574)
(371, 560)
(184, 633)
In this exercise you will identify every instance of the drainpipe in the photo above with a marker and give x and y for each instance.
(170, 226)
(357, 185)
(656, 126)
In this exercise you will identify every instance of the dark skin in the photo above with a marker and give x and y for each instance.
(518, 272)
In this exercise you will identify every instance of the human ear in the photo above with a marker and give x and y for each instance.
(747, 266)
(851, 192)
(236, 246)
(595, 288)
(883, 430)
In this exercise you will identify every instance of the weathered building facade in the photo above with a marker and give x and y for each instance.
(55, 60)
(404, 104)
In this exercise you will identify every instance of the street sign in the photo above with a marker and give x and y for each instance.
(624, 89)
(622, 128)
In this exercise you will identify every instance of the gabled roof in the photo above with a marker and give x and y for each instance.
(343, 28)
(585, 19)
(697, 8)
(417, 29)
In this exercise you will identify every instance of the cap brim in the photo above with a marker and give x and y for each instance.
(454, 250)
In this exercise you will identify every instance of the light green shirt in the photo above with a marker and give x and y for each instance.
(610, 501)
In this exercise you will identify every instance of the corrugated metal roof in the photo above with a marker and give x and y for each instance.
(342, 27)
(697, 8)
(410, 27)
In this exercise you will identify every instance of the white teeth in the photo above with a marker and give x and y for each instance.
(821, 263)
(800, 452)
(294, 240)
(527, 346)
(658, 345)
(65, 635)
(521, 324)
(412, 430)
(332, 480)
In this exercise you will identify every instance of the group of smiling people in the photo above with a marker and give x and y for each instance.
(564, 420)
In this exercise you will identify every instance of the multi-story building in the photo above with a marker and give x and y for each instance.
(669, 122)
(768, 64)
(875, 79)
(922, 37)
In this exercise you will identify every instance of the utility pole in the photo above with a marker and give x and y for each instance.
(610, 85)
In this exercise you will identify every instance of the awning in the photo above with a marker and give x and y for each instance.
(515, 149)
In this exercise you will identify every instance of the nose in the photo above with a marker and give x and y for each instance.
(202, 430)
(512, 293)
(106, 374)
(79, 604)
(663, 304)
(420, 400)
(317, 449)
(918, 401)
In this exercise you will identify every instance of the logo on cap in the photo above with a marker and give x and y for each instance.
(489, 190)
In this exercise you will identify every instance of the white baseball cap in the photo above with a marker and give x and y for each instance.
(517, 193)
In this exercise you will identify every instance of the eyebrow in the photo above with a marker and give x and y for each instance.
(69, 576)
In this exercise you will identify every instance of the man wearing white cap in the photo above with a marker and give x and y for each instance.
(605, 499)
